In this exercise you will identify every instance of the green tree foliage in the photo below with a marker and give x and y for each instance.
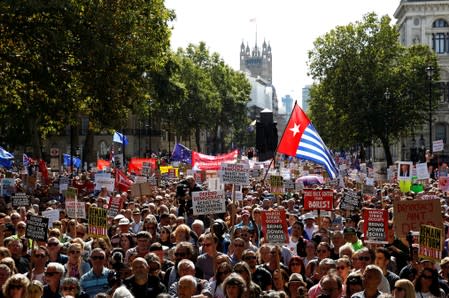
(62, 59)
(368, 87)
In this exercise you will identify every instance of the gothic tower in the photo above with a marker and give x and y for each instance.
(257, 62)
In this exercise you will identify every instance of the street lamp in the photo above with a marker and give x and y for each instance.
(150, 102)
(429, 71)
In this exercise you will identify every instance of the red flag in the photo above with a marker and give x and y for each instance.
(43, 169)
(101, 164)
(293, 132)
(122, 183)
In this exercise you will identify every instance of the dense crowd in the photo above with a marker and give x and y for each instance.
(156, 247)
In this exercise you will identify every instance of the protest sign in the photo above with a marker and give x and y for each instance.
(52, 215)
(277, 184)
(274, 226)
(37, 227)
(115, 205)
(75, 208)
(208, 202)
(140, 189)
(8, 186)
(20, 199)
(237, 174)
(97, 222)
(430, 243)
(422, 172)
(318, 199)
(214, 184)
(437, 146)
(106, 182)
(140, 179)
(409, 215)
(443, 183)
(375, 225)
(152, 181)
(63, 183)
(350, 201)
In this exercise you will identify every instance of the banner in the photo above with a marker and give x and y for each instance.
(36, 228)
(375, 225)
(208, 202)
(430, 243)
(274, 226)
(318, 199)
(209, 162)
(237, 174)
(101, 182)
(97, 222)
(136, 164)
(409, 215)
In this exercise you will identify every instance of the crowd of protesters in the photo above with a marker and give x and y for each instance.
(156, 247)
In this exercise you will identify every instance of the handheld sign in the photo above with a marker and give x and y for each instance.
(36, 228)
(237, 174)
(437, 146)
(430, 243)
(20, 199)
(75, 209)
(277, 184)
(409, 215)
(375, 225)
(115, 205)
(98, 223)
(274, 226)
(318, 199)
(351, 201)
(208, 202)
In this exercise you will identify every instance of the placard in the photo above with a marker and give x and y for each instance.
(36, 228)
(437, 146)
(274, 226)
(140, 189)
(208, 202)
(97, 222)
(237, 174)
(277, 184)
(430, 243)
(318, 199)
(8, 186)
(443, 183)
(409, 215)
(75, 209)
(20, 199)
(375, 225)
(101, 182)
(63, 183)
(52, 215)
(350, 201)
(422, 172)
(115, 205)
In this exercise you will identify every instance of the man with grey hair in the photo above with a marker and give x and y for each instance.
(186, 287)
(187, 268)
(95, 280)
(53, 274)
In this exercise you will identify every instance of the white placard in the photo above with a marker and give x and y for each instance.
(237, 174)
(214, 184)
(75, 210)
(208, 202)
(104, 182)
(421, 171)
(52, 215)
(437, 146)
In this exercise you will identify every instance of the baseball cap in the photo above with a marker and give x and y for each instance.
(124, 221)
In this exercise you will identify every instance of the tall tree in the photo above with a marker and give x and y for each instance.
(368, 86)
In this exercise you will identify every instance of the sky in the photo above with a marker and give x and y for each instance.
(289, 26)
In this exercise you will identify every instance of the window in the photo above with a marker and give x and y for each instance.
(440, 132)
(439, 36)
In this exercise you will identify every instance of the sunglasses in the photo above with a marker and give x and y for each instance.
(95, 258)
(364, 258)
(68, 288)
(51, 273)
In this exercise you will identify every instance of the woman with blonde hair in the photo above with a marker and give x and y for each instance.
(403, 288)
(35, 289)
(75, 266)
(182, 233)
(16, 286)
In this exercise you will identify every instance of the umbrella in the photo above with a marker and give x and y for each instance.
(309, 180)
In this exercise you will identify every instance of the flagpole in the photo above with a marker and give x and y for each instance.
(277, 147)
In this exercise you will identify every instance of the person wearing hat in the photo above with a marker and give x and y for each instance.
(246, 220)
(444, 269)
(137, 223)
(350, 235)
(294, 285)
(309, 225)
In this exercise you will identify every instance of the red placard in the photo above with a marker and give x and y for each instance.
(318, 199)
(274, 226)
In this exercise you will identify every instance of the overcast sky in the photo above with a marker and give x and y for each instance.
(290, 26)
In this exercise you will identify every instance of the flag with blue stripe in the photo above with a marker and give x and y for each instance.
(67, 161)
(120, 138)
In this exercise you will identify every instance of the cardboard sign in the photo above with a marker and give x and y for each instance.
(443, 183)
(318, 199)
(375, 225)
(37, 227)
(101, 182)
(277, 184)
(237, 174)
(75, 208)
(437, 146)
(208, 202)
(409, 215)
(140, 189)
(115, 205)
(20, 199)
(97, 222)
(274, 226)
(430, 243)
(350, 201)
(52, 215)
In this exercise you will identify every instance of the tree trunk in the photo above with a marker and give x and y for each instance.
(89, 154)
(386, 146)
(35, 140)
(197, 139)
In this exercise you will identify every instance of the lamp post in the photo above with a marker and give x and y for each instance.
(429, 71)
(150, 102)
